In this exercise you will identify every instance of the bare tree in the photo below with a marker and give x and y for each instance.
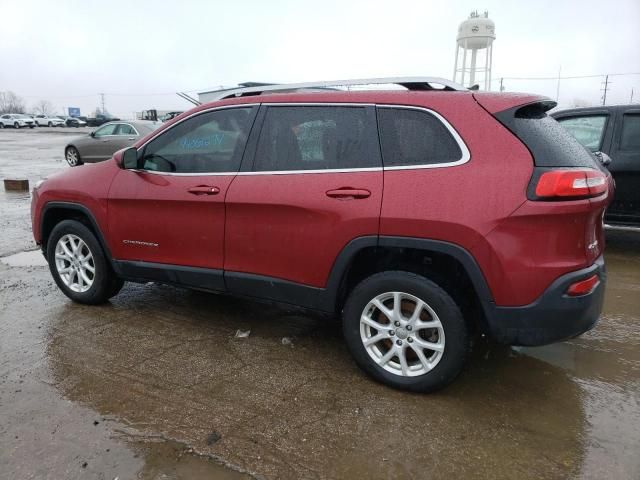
(44, 107)
(11, 103)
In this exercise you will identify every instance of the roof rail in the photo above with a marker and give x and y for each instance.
(410, 83)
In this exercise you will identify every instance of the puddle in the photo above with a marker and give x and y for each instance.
(33, 258)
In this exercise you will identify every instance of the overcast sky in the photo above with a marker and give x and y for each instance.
(67, 51)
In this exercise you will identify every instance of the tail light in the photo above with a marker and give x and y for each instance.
(568, 184)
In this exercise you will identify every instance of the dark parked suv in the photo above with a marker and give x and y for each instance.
(615, 131)
(420, 216)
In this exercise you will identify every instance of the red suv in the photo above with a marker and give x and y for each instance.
(421, 216)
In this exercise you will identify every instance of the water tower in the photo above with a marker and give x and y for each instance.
(475, 37)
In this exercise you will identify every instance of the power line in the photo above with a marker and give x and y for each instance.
(568, 77)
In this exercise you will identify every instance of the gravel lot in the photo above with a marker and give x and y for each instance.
(156, 385)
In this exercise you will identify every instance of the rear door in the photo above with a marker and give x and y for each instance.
(125, 135)
(171, 210)
(315, 185)
(625, 167)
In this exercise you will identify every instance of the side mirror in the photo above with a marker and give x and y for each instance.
(130, 159)
(604, 159)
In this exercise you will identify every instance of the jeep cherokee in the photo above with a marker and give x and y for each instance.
(420, 216)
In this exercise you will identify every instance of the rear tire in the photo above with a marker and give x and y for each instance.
(16, 125)
(50, 124)
(426, 351)
(72, 252)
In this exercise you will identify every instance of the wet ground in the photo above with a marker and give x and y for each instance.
(156, 384)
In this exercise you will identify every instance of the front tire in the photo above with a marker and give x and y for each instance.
(72, 156)
(405, 331)
(16, 125)
(79, 266)
(50, 124)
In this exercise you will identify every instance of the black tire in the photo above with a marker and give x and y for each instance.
(50, 124)
(68, 156)
(456, 333)
(1, 125)
(105, 282)
(16, 125)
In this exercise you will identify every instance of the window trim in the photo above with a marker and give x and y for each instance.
(466, 155)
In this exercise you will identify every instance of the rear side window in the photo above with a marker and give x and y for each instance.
(125, 129)
(630, 138)
(587, 129)
(414, 137)
(317, 138)
(550, 144)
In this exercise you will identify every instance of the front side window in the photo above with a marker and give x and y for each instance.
(210, 142)
(414, 137)
(104, 131)
(316, 138)
(630, 139)
(587, 129)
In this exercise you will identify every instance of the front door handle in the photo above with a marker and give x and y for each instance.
(348, 193)
(204, 190)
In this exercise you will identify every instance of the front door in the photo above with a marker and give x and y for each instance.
(625, 168)
(171, 210)
(315, 185)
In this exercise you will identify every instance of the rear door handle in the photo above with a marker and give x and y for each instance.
(347, 193)
(204, 190)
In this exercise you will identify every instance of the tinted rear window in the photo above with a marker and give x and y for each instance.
(550, 144)
(414, 137)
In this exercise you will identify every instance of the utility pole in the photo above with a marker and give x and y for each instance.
(501, 87)
(558, 86)
(102, 98)
(605, 89)
(631, 99)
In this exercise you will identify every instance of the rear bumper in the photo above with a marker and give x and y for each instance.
(554, 316)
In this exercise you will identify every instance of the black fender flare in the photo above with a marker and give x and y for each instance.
(85, 211)
(459, 253)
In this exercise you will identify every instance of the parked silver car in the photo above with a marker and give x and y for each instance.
(103, 142)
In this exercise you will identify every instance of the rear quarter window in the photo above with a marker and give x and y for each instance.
(550, 144)
(411, 137)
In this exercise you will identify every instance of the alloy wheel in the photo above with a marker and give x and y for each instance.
(72, 157)
(402, 334)
(75, 263)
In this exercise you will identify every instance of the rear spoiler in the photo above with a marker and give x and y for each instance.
(498, 102)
